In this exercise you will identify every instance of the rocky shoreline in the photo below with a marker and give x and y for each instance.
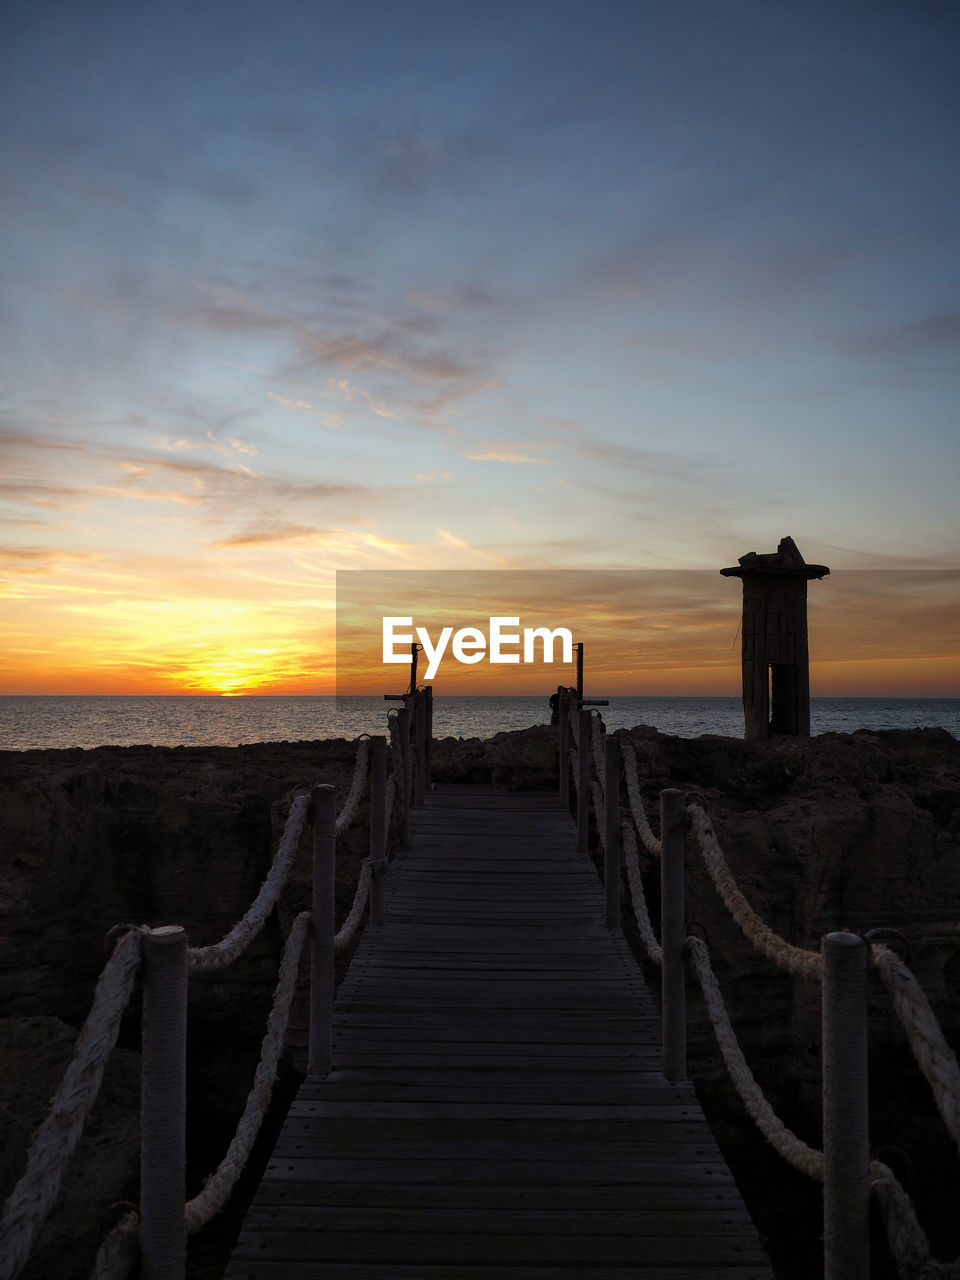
(856, 831)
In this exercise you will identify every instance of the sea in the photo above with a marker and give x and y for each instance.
(28, 722)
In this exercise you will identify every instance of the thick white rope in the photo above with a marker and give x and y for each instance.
(222, 953)
(907, 1239)
(937, 1060)
(644, 830)
(31, 1199)
(217, 1188)
(119, 1250)
(637, 895)
(348, 929)
(796, 960)
(352, 802)
(802, 1157)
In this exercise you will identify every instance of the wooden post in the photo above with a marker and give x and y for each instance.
(163, 1105)
(428, 735)
(846, 1148)
(378, 833)
(583, 781)
(414, 650)
(611, 792)
(564, 749)
(579, 648)
(420, 745)
(322, 928)
(403, 727)
(673, 936)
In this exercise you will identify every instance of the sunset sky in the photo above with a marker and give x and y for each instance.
(296, 288)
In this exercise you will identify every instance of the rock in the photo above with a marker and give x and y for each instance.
(854, 831)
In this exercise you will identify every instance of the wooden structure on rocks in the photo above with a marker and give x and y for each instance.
(775, 652)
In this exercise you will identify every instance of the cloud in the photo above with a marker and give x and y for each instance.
(452, 540)
(272, 535)
(433, 477)
(36, 560)
(515, 452)
(939, 332)
(332, 420)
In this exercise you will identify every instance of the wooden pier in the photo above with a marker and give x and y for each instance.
(496, 1107)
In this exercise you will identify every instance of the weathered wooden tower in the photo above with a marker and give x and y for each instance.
(775, 655)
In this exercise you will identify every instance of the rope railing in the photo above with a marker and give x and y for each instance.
(796, 960)
(844, 1167)
(218, 1187)
(157, 1232)
(30, 1201)
(223, 953)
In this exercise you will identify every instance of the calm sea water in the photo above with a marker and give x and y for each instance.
(28, 722)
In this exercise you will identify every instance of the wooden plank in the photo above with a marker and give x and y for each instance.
(254, 1268)
(635, 1222)
(493, 1198)
(434, 1247)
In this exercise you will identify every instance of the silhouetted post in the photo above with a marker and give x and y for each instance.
(403, 730)
(564, 712)
(163, 1104)
(673, 935)
(420, 745)
(579, 648)
(775, 659)
(611, 869)
(428, 735)
(378, 833)
(322, 928)
(846, 1147)
(414, 651)
(583, 782)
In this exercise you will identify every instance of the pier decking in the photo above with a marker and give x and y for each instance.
(496, 1106)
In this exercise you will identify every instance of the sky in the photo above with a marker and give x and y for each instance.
(300, 288)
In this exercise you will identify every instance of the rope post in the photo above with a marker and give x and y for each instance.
(673, 935)
(846, 1148)
(427, 735)
(611, 795)
(564, 709)
(322, 928)
(583, 781)
(378, 809)
(420, 745)
(403, 727)
(163, 1105)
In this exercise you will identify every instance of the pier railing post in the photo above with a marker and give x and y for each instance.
(583, 781)
(611, 833)
(322, 927)
(846, 1183)
(564, 750)
(427, 735)
(163, 1105)
(673, 936)
(378, 834)
(403, 726)
(420, 745)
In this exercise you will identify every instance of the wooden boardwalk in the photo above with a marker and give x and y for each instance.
(496, 1107)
